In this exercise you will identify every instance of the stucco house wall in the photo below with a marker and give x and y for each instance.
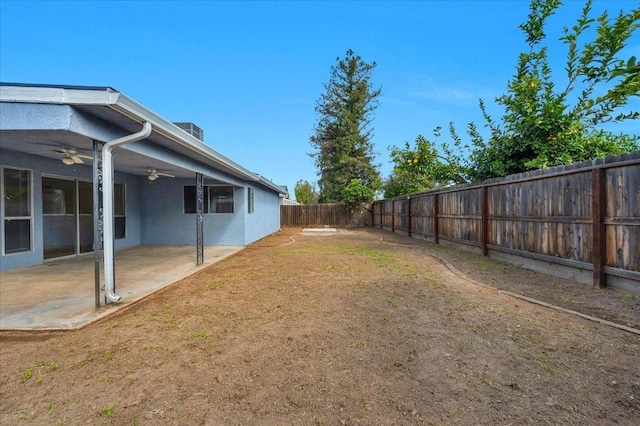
(41, 166)
(265, 219)
(36, 121)
(166, 223)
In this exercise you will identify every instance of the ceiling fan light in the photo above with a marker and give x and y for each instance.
(152, 177)
(68, 161)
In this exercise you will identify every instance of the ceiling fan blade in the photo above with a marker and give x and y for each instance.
(165, 174)
(86, 157)
(77, 159)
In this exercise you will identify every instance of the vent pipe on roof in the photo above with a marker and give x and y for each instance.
(107, 204)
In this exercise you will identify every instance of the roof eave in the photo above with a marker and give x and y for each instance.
(105, 96)
(137, 112)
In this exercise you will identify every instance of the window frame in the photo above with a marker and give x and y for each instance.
(207, 199)
(6, 218)
(233, 198)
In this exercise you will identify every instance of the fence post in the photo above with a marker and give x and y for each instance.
(435, 218)
(393, 215)
(408, 215)
(484, 230)
(372, 214)
(598, 213)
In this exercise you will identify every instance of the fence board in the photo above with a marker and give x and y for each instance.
(325, 214)
(543, 214)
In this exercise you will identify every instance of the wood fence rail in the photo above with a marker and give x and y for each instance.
(581, 220)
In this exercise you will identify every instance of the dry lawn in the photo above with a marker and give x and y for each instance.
(338, 330)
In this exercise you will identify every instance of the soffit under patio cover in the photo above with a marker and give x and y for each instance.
(111, 107)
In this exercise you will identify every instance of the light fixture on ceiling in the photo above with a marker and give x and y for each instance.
(153, 174)
(70, 155)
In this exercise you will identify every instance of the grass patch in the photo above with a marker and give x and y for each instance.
(198, 334)
(108, 410)
(28, 374)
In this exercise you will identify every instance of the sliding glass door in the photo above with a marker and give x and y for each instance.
(67, 216)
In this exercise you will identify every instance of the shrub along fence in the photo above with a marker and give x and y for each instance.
(324, 215)
(581, 220)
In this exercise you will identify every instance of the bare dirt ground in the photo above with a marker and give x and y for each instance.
(337, 330)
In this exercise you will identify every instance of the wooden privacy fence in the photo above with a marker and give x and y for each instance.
(324, 214)
(584, 216)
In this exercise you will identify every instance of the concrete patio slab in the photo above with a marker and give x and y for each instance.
(60, 295)
(319, 231)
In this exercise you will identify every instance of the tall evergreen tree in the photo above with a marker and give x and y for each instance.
(343, 132)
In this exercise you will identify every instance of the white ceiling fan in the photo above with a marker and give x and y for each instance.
(153, 174)
(70, 155)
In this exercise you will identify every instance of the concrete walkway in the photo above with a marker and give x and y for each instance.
(60, 295)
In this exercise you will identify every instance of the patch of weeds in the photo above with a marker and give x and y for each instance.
(112, 326)
(540, 360)
(50, 406)
(517, 334)
(27, 375)
(38, 380)
(394, 303)
(140, 324)
(155, 313)
(28, 416)
(134, 420)
(70, 350)
(53, 366)
(198, 334)
(388, 358)
(213, 284)
(595, 400)
(348, 309)
(359, 345)
(486, 379)
(131, 380)
(40, 363)
(108, 410)
(97, 356)
(381, 258)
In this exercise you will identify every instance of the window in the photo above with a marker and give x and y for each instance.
(16, 204)
(221, 199)
(250, 195)
(190, 200)
(119, 211)
(217, 199)
(58, 196)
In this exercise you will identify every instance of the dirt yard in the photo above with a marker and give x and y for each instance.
(362, 327)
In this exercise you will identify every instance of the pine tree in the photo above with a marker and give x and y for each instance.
(343, 133)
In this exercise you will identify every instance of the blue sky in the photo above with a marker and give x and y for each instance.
(249, 73)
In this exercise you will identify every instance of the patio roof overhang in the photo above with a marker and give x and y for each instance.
(76, 116)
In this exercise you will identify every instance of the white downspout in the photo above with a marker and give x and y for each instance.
(107, 205)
